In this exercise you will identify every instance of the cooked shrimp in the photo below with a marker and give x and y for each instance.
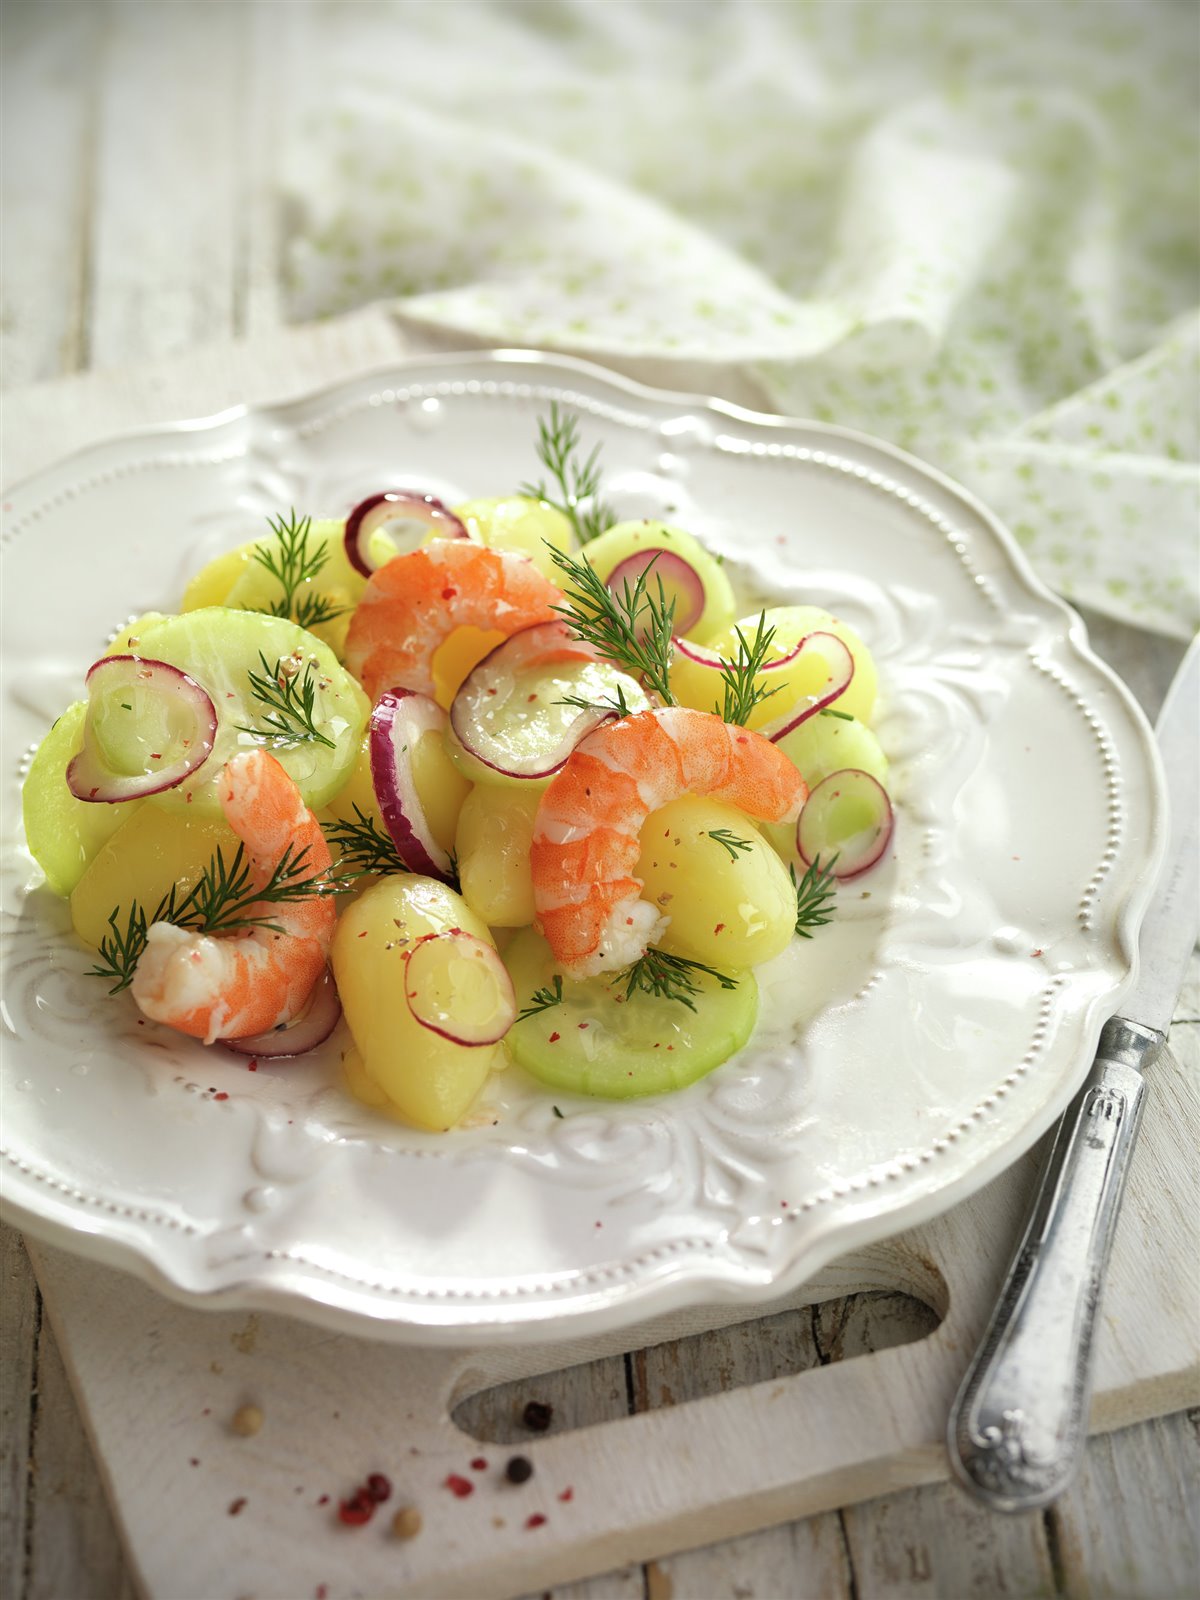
(228, 986)
(415, 602)
(585, 838)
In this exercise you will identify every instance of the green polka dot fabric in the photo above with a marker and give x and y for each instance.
(971, 229)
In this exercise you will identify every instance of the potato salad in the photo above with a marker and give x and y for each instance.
(452, 787)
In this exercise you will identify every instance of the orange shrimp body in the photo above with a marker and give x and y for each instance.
(586, 835)
(415, 602)
(229, 986)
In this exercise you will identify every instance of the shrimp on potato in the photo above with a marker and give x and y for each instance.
(245, 982)
(586, 844)
(417, 600)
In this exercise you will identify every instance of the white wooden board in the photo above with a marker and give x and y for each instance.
(159, 1384)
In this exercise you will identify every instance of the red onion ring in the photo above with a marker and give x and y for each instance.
(538, 645)
(421, 964)
(89, 777)
(858, 851)
(399, 719)
(673, 570)
(426, 511)
(311, 1026)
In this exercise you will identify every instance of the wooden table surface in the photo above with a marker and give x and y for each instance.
(140, 222)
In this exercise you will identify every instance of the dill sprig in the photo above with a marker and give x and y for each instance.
(670, 977)
(558, 442)
(632, 629)
(363, 846)
(290, 700)
(729, 841)
(543, 999)
(122, 950)
(742, 694)
(620, 705)
(219, 902)
(842, 716)
(294, 564)
(814, 896)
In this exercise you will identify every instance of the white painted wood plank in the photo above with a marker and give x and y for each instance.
(164, 247)
(20, 1315)
(47, 105)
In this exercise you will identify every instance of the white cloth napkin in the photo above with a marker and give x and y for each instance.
(971, 229)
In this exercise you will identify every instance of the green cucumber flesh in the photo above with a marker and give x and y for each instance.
(64, 834)
(220, 648)
(596, 1042)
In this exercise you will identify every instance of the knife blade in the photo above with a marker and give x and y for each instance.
(1017, 1426)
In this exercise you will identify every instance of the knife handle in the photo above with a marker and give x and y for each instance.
(1017, 1425)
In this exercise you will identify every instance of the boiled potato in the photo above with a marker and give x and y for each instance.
(495, 829)
(149, 853)
(428, 1080)
(698, 684)
(520, 524)
(729, 907)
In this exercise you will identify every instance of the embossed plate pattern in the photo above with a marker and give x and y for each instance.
(903, 1058)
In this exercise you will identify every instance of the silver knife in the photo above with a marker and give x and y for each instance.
(1018, 1424)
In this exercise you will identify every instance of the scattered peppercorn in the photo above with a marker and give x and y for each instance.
(247, 1420)
(535, 1521)
(358, 1509)
(378, 1487)
(407, 1523)
(538, 1415)
(458, 1485)
(237, 1506)
(519, 1469)
(479, 1464)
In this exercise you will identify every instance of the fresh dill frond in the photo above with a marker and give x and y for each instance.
(620, 705)
(363, 846)
(218, 902)
(289, 700)
(814, 897)
(121, 951)
(742, 694)
(543, 999)
(633, 629)
(557, 446)
(224, 893)
(294, 565)
(842, 716)
(670, 977)
(729, 841)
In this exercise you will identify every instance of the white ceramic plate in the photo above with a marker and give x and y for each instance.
(944, 1018)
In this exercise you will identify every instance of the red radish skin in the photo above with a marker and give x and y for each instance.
(305, 1032)
(541, 644)
(868, 846)
(399, 719)
(506, 1011)
(87, 776)
(674, 572)
(394, 505)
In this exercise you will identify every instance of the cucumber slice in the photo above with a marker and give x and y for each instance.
(519, 723)
(595, 1042)
(220, 648)
(625, 539)
(64, 834)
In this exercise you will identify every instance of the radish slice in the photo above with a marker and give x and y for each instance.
(397, 722)
(840, 669)
(487, 710)
(457, 986)
(141, 714)
(680, 580)
(310, 1027)
(848, 815)
(408, 517)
